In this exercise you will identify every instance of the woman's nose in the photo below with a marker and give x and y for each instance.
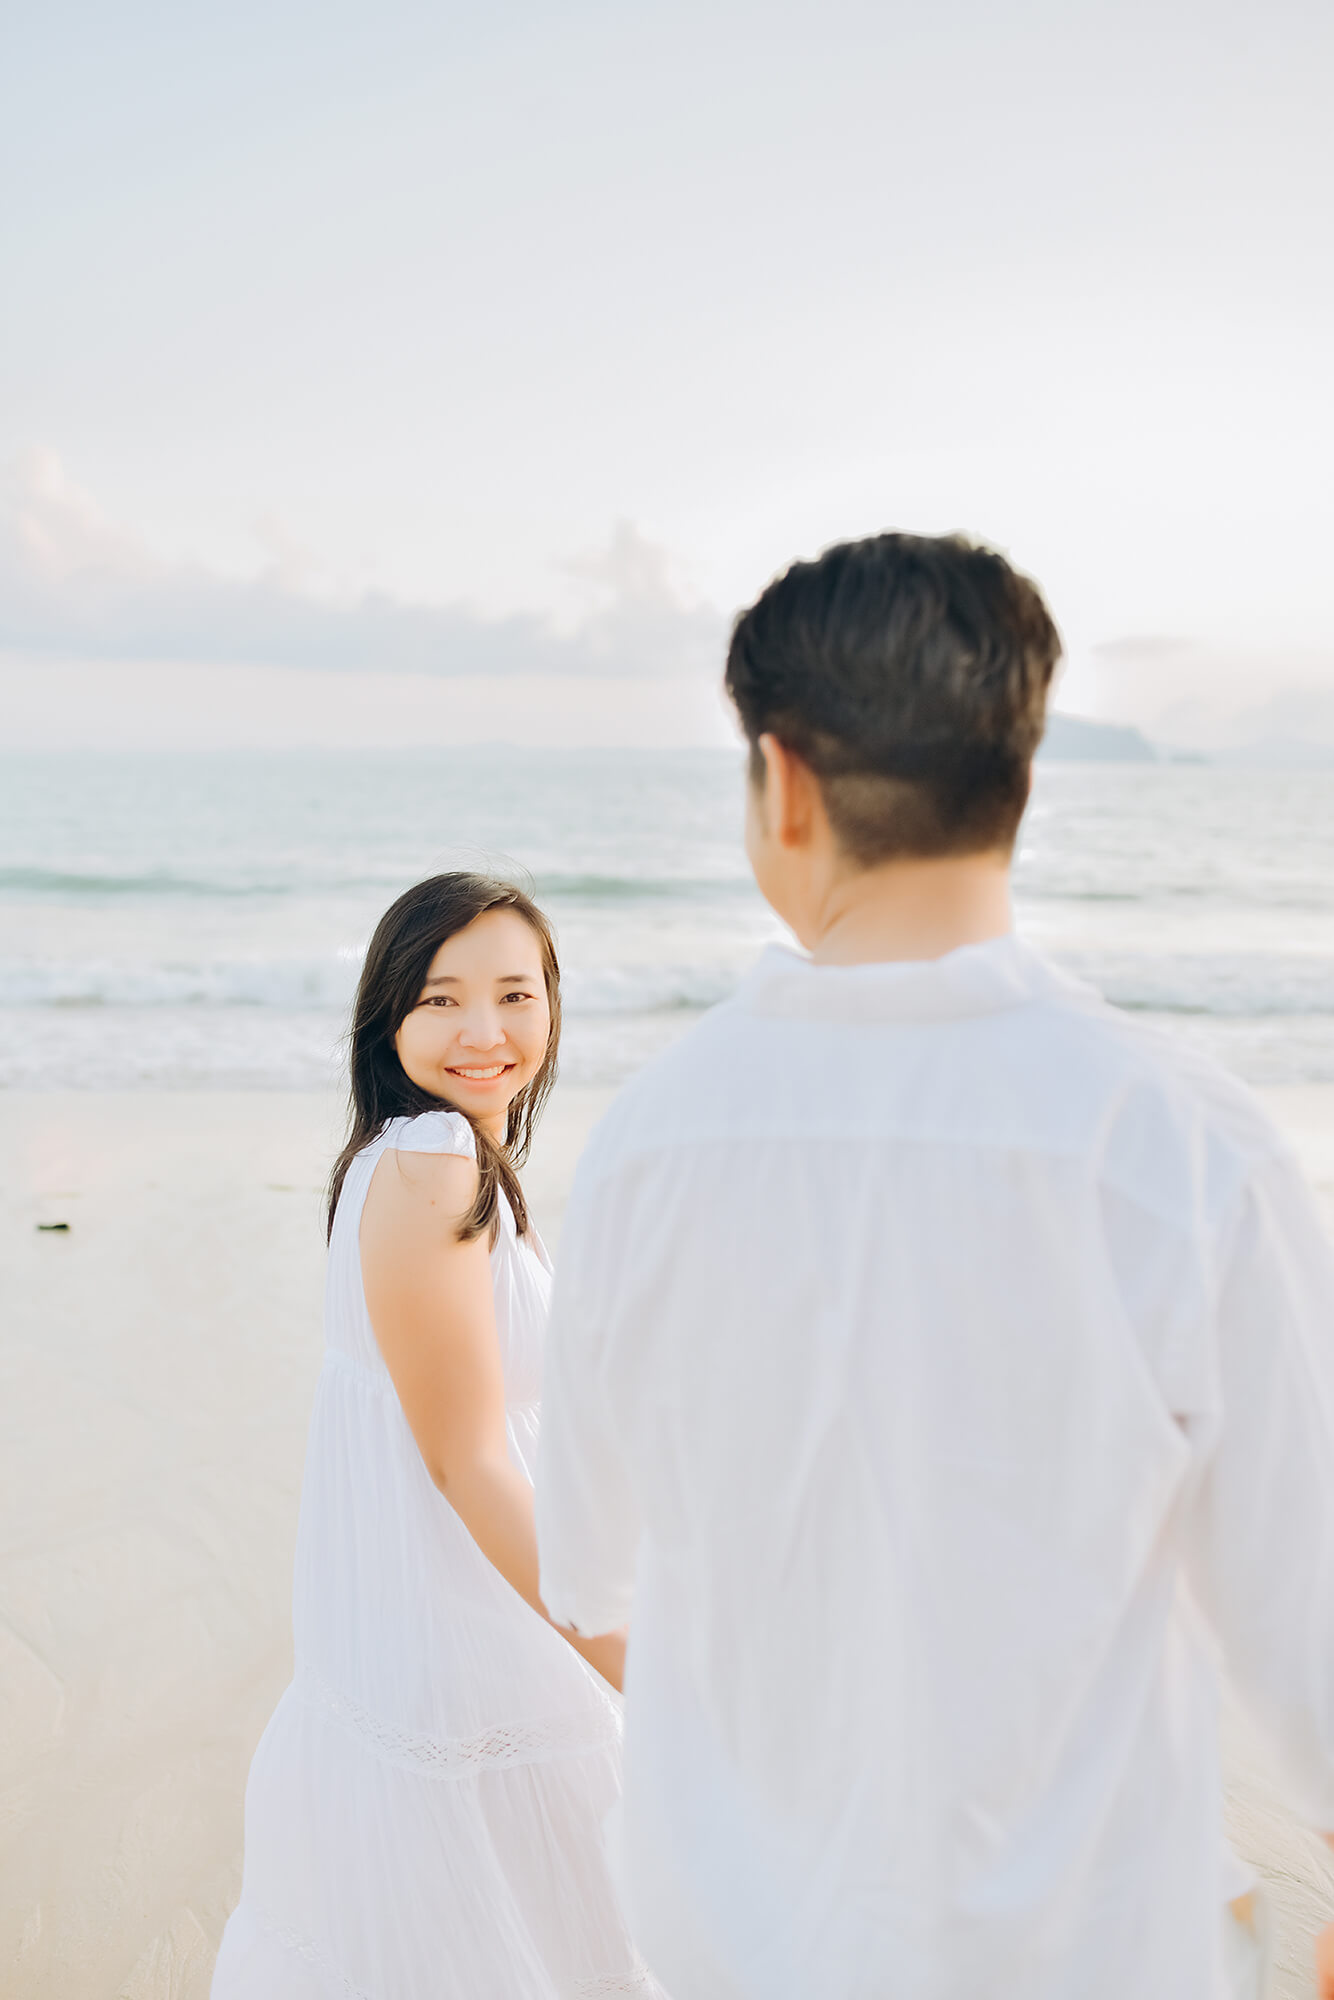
(482, 1031)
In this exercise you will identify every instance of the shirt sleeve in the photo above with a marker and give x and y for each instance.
(588, 1520)
(1261, 1544)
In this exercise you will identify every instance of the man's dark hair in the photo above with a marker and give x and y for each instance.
(911, 674)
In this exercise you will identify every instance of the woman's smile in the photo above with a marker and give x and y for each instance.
(487, 1075)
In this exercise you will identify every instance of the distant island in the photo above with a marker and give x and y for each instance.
(1074, 740)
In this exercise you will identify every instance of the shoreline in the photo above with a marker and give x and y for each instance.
(156, 1366)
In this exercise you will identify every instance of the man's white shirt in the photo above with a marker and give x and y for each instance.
(940, 1379)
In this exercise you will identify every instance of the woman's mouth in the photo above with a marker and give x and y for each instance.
(487, 1075)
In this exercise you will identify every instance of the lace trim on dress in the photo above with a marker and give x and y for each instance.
(338, 1359)
(509, 1743)
(637, 1980)
(313, 1954)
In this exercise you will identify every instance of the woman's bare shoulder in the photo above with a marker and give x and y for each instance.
(414, 1193)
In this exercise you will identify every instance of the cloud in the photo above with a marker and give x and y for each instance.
(1207, 695)
(1292, 725)
(1143, 649)
(72, 583)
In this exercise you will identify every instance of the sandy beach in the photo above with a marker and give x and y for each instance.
(157, 1359)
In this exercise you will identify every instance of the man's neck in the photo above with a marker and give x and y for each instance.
(913, 909)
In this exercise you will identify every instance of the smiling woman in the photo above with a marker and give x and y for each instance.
(424, 1810)
(437, 1010)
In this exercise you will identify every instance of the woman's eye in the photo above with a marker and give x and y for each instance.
(441, 1000)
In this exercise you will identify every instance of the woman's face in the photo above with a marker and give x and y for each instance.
(478, 1032)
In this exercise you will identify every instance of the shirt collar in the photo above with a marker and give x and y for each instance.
(976, 979)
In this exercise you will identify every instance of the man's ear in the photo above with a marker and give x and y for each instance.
(769, 790)
(791, 794)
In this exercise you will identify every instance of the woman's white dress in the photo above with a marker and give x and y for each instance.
(423, 1816)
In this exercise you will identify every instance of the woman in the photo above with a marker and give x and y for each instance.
(423, 1812)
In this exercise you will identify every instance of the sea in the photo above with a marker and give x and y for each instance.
(198, 921)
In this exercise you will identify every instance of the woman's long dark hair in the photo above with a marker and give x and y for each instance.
(406, 939)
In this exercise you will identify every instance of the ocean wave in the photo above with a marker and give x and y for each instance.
(1238, 985)
(1224, 985)
(327, 985)
(157, 882)
(618, 888)
(240, 1049)
(647, 989)
(1188, 896)
(245, 1049)
(291, 986)
(161, 882)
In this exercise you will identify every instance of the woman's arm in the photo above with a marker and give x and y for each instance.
(432, 1308)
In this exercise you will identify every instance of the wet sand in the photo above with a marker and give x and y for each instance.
(156, 1367)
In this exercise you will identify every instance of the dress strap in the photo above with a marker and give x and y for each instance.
(440, 1131)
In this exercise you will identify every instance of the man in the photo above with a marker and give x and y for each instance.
(941, 1374)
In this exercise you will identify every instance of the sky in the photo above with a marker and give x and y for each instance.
(422, 373)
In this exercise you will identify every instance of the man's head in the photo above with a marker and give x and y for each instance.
(902, 681)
